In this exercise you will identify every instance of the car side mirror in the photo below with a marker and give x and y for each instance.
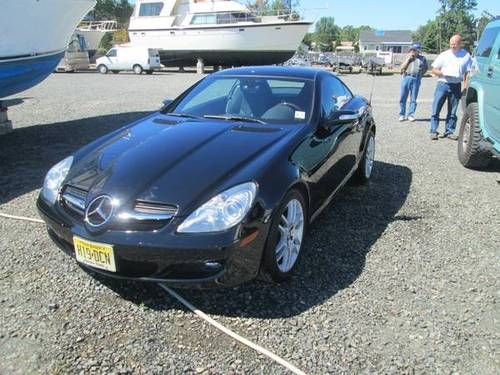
(166, 102)
(341, 117)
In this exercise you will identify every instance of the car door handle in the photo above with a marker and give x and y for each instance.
(490, 72)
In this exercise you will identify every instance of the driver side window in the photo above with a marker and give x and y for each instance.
(334, 96)
(111, 53)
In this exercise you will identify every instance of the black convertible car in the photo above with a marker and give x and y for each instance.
(217, 187)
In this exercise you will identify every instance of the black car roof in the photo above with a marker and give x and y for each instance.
(278, 71)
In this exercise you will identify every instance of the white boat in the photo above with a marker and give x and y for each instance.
(33, 37)
(94, 31)
(221, 32)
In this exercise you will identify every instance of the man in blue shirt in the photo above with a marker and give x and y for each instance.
(412, 69)
(451, 67)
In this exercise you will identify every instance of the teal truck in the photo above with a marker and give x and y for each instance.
(479, 134)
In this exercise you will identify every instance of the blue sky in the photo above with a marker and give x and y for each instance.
(380, 14)
(383, 14)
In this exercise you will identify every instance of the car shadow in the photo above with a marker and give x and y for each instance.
(13, 102)
(27, 153)
(333, 258)
(492, 167)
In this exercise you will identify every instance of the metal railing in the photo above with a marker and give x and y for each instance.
(98, 25)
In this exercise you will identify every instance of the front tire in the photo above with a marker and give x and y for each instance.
(365, 167)
(137, 69)
(103, 69)
(470, 153)
(286, 238)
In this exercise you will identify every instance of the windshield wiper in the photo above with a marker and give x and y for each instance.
(235, 118)
(181, 115)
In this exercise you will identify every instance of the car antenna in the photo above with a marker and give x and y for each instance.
(371, 91)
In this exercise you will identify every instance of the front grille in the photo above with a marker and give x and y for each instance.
(154, 208)
(145, 216)
(73, 200)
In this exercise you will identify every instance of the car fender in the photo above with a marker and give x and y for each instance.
(475, 93)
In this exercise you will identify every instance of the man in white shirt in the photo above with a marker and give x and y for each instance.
(451, 67)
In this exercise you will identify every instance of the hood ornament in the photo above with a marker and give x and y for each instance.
(99, 211)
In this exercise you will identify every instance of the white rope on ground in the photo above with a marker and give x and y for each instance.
(232, 334)
(21, 218)
(199, 313)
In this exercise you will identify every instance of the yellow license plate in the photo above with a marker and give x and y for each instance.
(94, 254)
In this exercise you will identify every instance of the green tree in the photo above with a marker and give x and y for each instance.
(428, 36)
(123, 11)
(351, 33)
(103, 10)
(455, 16)
(326, 33)
(118, 10)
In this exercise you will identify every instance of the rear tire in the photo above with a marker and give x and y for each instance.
(103, 69)
(365, 167)
(470, 153)
(137, 69)
(287, 232)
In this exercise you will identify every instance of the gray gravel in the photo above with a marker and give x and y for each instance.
(397, 277)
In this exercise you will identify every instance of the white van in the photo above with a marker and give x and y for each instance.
(138, 59)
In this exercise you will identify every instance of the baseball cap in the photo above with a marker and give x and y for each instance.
(416, 46)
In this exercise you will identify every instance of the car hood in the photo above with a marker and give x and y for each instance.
(172, 160)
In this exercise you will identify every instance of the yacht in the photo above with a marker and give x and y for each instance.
(33, 37)
(94, 31)
(219, 32)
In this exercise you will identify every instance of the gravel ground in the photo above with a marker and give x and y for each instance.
(397, 277)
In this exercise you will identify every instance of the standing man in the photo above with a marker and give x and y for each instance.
(413, 68)
(451, 67)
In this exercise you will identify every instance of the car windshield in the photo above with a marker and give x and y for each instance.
(251, 99)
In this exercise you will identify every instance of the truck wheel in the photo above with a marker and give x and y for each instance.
(470, 153)
(103, 69)
(137, 69)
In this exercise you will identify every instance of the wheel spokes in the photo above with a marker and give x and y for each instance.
(291, 231)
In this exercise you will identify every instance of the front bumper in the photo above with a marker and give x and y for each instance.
(204, 260)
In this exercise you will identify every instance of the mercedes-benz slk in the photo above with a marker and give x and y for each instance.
(218, 186)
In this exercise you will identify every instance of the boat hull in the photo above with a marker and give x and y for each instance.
(224, 58)
(20, 74)
(34, 35)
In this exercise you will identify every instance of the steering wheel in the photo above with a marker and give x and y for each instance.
(292, 105)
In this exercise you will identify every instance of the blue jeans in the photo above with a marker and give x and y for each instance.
(409, 86)
(446, 91)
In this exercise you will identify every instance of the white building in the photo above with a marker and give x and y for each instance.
(396, 41)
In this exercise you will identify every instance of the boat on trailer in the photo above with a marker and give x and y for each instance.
(94, 31)
(217, 32)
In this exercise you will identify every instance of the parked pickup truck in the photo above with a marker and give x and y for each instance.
(479, 134)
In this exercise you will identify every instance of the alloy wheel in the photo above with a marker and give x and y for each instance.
(291, 233)
(370, 156)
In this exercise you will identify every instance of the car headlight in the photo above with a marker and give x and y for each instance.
(221, 212)
(55, 178)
